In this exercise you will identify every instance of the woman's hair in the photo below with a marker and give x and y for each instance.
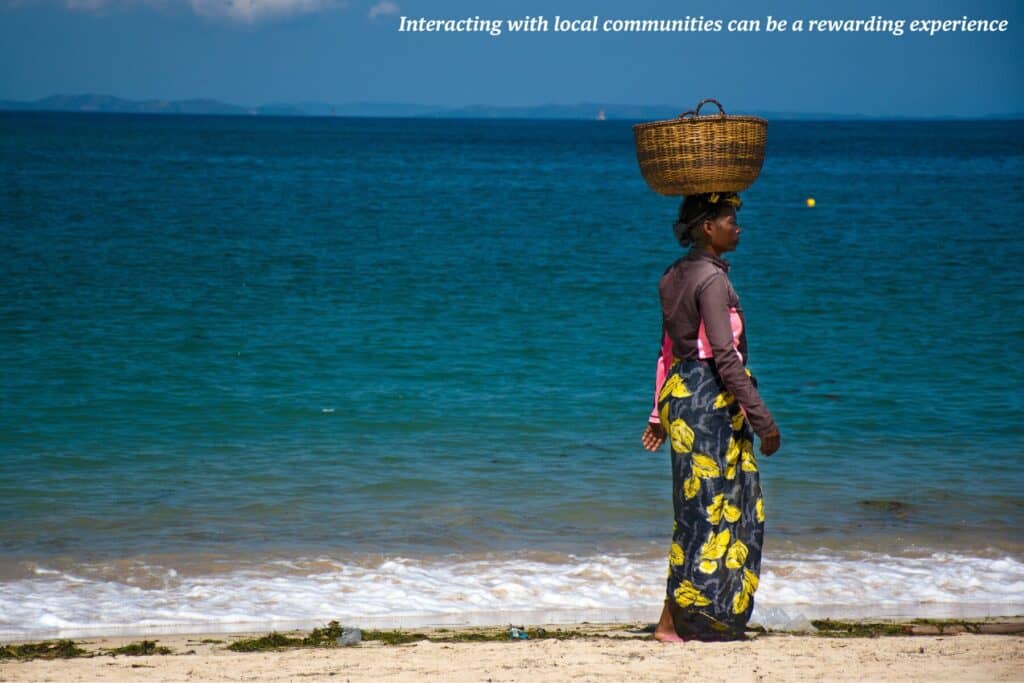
(697, 208)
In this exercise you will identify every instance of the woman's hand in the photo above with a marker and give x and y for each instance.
(770, 442)
(653, 436)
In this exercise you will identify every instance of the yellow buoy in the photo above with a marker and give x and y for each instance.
(810, 202)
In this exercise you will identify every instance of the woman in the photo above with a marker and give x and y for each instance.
(707, 404)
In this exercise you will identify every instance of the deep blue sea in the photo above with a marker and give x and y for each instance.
(295, 369)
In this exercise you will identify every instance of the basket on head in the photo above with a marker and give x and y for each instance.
(693, 154)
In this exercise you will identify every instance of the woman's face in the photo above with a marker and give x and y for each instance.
(723, 232)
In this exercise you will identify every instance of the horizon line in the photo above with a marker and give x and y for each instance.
(800, 118)
(427, 111)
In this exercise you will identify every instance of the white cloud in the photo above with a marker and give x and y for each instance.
(244, 11)
(99, 6)
(383, 7)
(87, 5)
(251, 11)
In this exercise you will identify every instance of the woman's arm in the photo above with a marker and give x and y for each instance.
(713, 301)
(659, 381)
(661, 373)
(654, 434)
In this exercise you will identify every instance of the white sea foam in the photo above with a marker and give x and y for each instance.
(404, 592)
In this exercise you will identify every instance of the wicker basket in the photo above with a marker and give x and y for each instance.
(693, 154)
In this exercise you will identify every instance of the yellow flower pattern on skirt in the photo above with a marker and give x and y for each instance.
(749, 461)
(736, 556)
(703, 467)
(744, 598)
(720, 507)
(687, 594)
(724, 399)
(732, 456)
(718, 530)
(712, 550)
(681, 435)
(675, 387)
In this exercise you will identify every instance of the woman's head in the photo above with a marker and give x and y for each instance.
(709, 220)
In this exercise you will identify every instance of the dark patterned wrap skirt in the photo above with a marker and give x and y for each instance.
(715, 559)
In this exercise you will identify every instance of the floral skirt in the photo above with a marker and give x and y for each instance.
(715, 557)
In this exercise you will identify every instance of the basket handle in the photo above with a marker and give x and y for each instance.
(696, 112)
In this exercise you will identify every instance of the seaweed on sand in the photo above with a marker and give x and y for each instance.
(61, 649)
(146, 647)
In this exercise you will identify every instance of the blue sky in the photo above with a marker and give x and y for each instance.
(253, 52)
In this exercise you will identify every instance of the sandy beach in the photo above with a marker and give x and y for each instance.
(586, 652)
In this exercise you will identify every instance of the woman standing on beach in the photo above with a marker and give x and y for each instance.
(707, 404)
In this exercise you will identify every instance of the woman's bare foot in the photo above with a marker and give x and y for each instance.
(665, 631)
(670, 637)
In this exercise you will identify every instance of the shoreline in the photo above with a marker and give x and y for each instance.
(151, 596)
(584, 651)
(773, 618)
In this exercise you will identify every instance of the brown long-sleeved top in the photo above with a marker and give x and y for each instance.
(696, 288)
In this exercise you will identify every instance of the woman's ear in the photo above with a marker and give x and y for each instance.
(706, 226)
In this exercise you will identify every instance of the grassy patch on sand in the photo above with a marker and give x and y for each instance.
(328, 637)
(146, 647)
(917, 627)
(318, 637)
(68, 649)
(829, 628)
(61, 649)
(856, 629)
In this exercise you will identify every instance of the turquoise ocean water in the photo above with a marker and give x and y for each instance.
(297, 369)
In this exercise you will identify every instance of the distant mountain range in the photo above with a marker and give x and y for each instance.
(582, 111)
